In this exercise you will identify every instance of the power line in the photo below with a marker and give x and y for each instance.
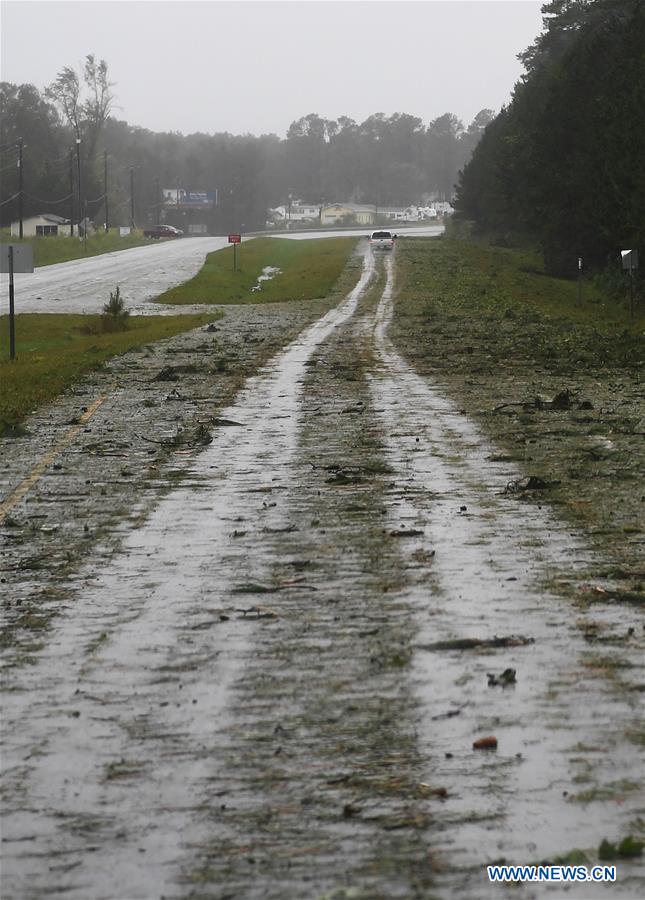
(39, 200)
(55, 167)
(57, 159)
(9, 199)
(10, 144)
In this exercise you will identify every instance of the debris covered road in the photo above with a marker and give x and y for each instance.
(268, 680)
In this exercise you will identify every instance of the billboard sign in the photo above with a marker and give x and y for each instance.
(185, 199)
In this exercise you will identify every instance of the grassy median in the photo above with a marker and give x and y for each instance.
(556, 383)
(54, 351)
(308, 269)
(50, 250)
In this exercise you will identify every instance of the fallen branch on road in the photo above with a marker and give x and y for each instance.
(475, 643)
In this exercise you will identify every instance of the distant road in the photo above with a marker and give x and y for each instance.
(414, 230)
(142, 273)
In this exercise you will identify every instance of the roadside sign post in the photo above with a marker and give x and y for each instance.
(235, 239)
(630, 262)
(12, 308)
(579, 281)
(15, 258)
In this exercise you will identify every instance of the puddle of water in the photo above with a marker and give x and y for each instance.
(110, 750)
(558, 726)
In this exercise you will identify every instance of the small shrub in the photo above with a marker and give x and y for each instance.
(115, 315)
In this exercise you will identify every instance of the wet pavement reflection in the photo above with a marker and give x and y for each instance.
(258, 696)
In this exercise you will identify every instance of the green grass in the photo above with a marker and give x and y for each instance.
(49, 250)
(54, 351)
(503, 340)
(309, 270)
(501, 297)
(494, 275)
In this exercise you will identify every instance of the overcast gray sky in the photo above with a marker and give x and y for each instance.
(256, 65)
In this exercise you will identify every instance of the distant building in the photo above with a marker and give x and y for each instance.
(296, 212)
(443, 208)
(360, 213)
(44, 225)
(190, 210)
(410, 213)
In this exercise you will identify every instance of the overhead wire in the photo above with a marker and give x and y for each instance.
(39, 200)
(9, 199)
(56, 167)
(9, 144)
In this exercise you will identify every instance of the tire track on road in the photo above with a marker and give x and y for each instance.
(110, 738)
(493, 567)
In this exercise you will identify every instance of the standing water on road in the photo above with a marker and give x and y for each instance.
(110, 736)
(488, 559)
(273, 689)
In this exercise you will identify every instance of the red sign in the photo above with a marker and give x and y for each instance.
(235, 238)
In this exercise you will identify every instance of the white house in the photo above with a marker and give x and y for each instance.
(410, 213)
(297, 212)
(46, 224)
(443, 207)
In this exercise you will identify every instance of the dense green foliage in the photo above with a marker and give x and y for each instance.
(307, 270)
(53, 351)
(384, 160)
(563, 163)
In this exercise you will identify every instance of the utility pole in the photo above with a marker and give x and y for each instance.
(20, 186)
(71, 192)
(157, 202)
(105, 191)
(132, 197)
(78, 173)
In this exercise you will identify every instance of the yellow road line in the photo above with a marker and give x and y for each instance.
(39, 469)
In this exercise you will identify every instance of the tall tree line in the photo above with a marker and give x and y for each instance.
(564, 163)
(385, 160)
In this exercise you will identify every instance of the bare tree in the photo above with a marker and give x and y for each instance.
(96, 108)
(85, 107)
(65, 93)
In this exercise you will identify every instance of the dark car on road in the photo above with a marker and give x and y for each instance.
(162, 231)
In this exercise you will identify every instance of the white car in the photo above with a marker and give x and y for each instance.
(382, 240)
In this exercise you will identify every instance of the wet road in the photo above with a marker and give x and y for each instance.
(142, 273)
(242, 703)
(495, 571)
